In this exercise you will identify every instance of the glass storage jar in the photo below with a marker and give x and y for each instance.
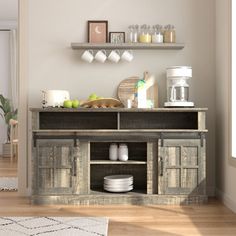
(157, 35)
(169, 34)
(133, 31)
(145, 34)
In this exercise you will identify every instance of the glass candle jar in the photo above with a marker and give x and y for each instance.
(169, 34)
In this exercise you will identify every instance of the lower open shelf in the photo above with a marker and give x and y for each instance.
(98, 172)
(105, 162)
(134, 192)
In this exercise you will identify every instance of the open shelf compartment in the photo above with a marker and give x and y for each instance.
(99, 152)
(101, 166)
(159, 120)
(86, 120)
(98, 172)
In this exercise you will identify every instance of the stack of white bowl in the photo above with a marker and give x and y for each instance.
(118, 183)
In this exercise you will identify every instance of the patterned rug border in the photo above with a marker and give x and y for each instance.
(57, 226)
(8, 183)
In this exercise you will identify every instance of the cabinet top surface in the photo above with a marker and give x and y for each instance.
(52, 109)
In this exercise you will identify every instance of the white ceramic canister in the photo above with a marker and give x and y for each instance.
(113, 152)
(123, 152)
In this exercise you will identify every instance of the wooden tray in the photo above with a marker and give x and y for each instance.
(102, 103)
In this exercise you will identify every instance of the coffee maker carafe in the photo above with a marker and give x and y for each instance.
(178, 87)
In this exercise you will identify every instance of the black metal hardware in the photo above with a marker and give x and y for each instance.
(202, 139)
(161, 166)
(74, 166)
(162, 139)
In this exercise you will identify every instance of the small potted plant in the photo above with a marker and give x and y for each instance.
(7, 113)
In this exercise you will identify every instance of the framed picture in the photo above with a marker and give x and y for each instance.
(98, 31)
(117, 37)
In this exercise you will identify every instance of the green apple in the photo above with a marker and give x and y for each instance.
(75, 103)
(67, 104)
(92, 97)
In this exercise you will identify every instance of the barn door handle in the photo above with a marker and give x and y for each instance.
(161, 166)
(74, 166)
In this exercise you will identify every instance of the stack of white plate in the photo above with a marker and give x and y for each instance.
(118, 183)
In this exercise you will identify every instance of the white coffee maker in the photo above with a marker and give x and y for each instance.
(178, 87)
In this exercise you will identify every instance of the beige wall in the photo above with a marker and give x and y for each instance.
(53, 25)
(226, 174)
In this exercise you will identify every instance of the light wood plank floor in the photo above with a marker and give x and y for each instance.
(211, 219)
(8, 167)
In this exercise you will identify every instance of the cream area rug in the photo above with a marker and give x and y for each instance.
(55, 226)
(8, 183)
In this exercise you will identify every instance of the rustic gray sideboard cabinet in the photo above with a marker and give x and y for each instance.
(70, 155)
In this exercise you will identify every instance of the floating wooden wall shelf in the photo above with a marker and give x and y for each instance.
(134, 46)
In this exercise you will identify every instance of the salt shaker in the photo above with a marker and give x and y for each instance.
(113, 152)
(123, 152)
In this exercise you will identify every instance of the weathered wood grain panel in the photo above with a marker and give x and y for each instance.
(120, 199)
(83, 168)
(152, 176)
(54, 166)
(183, 169)
(201, 120)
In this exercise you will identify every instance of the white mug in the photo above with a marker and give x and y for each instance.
(87, 56)
(127, 56)
(101, 56)
(114, 56)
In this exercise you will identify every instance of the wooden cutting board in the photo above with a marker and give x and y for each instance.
(126, 89)
(102, 103)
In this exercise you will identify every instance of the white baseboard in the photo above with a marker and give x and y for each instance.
(211, 191)
(227, 200)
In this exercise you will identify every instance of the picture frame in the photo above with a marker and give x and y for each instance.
(98, 31)
(117, 37)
